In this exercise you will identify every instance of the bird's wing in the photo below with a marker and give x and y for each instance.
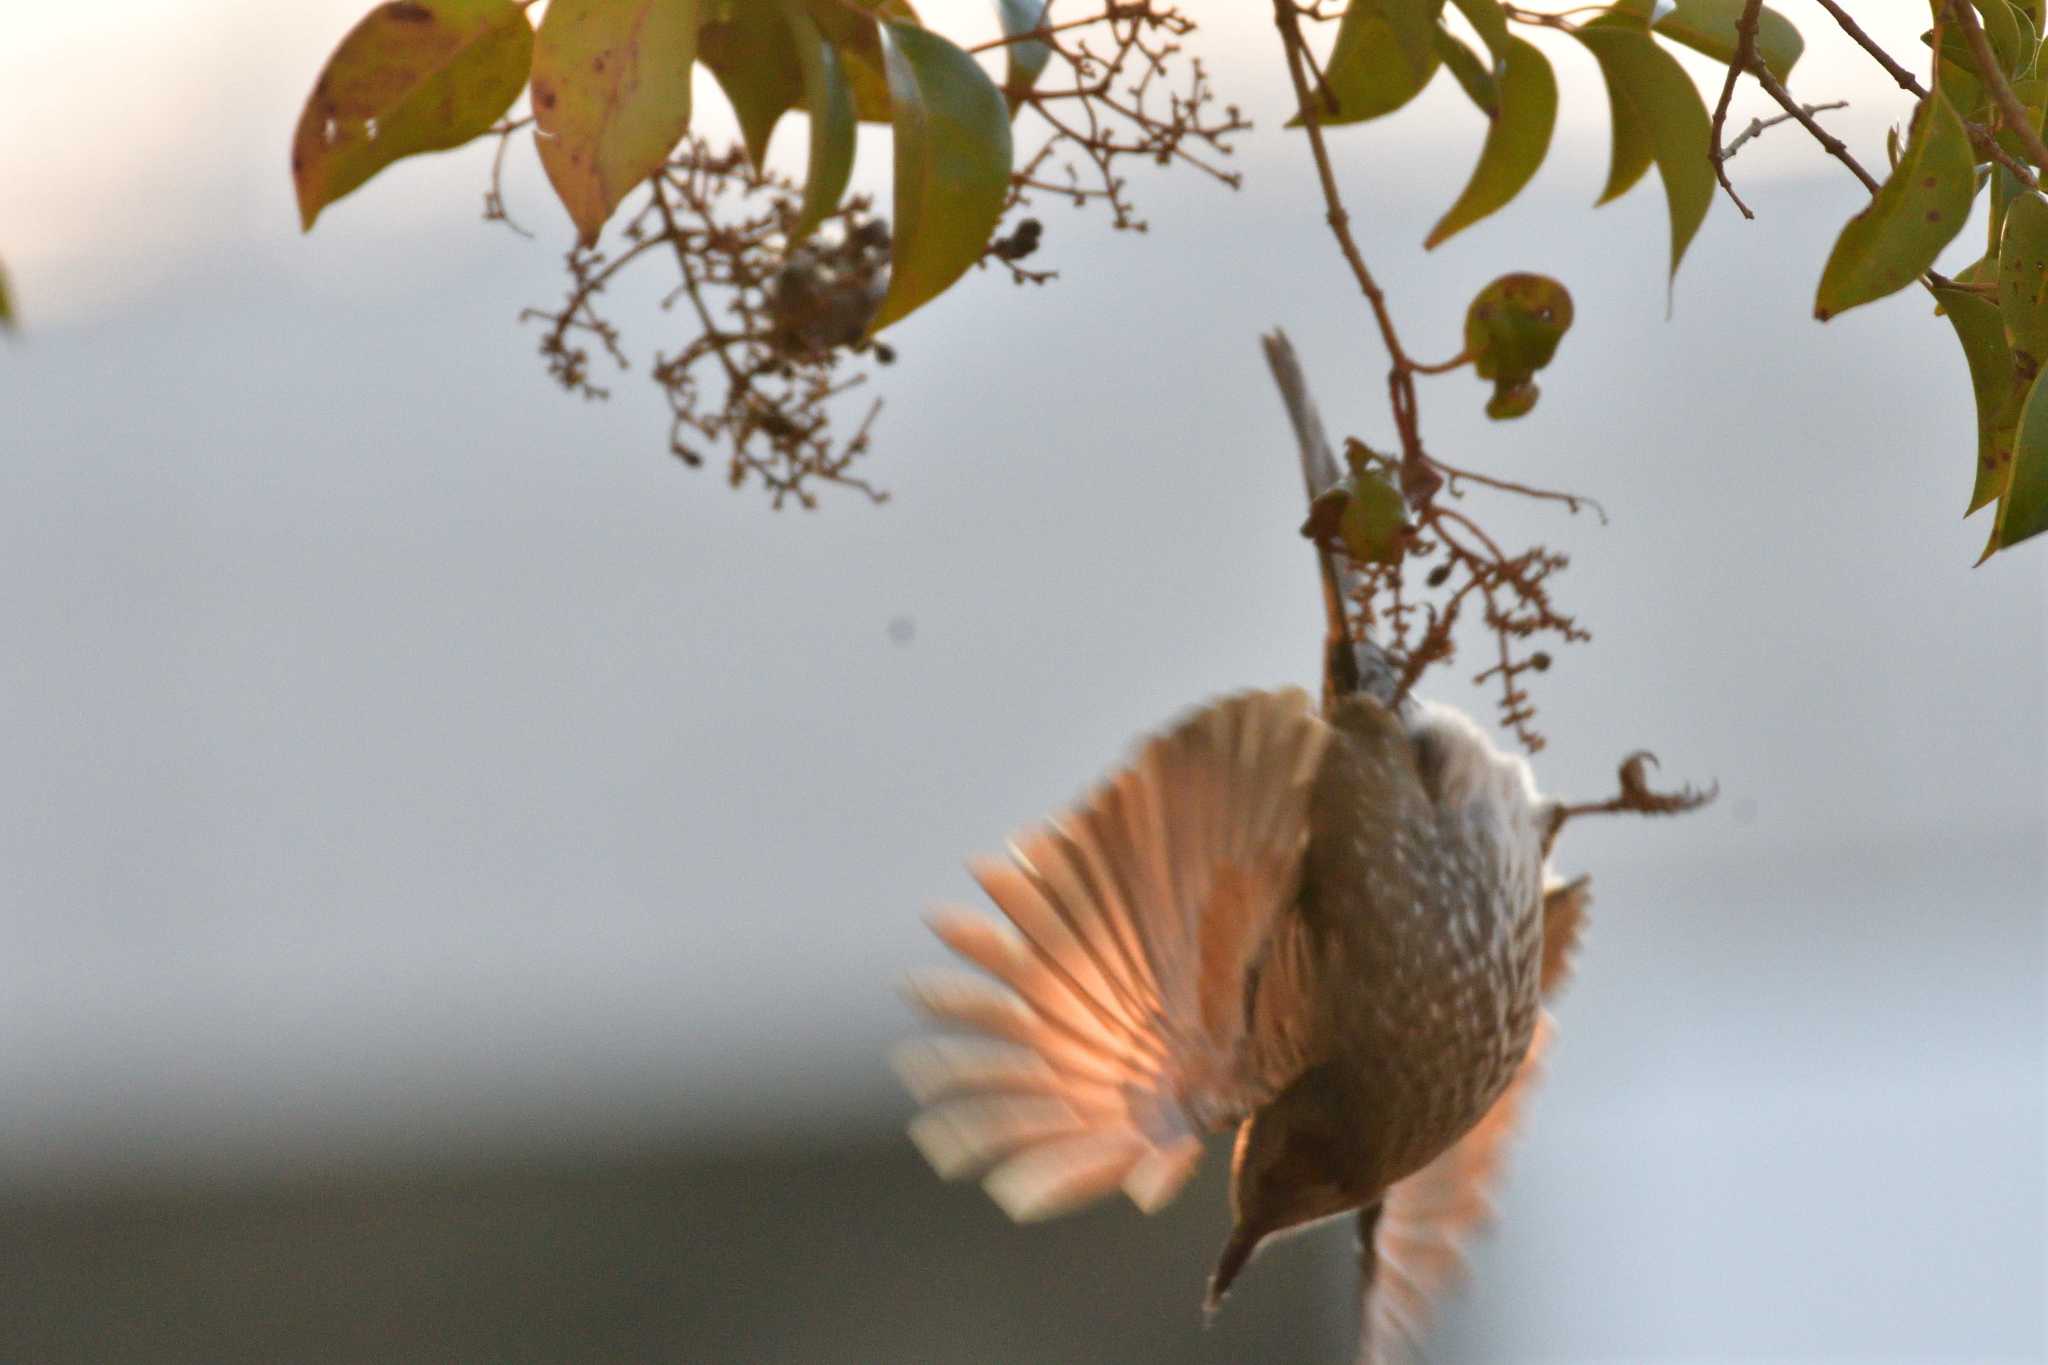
(1156, 981)
(1419, 1233)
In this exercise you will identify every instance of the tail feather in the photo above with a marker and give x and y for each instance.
(1121, 1020)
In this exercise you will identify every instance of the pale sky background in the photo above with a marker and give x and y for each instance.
(397, 754)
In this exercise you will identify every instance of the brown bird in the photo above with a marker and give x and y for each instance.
(1333, 932)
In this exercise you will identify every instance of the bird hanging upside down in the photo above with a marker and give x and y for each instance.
(1334, 932)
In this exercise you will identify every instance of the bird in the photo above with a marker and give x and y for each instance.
(1333, 928)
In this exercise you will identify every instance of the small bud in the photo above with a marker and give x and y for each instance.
(1540, 661)
(1438, 576)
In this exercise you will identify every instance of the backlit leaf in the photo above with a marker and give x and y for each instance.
(858, 41)
(1663, 108)
(952, 166)
(1514, 145)
(8, 322)
(749, 47)
(829, 102)
(1918, 210)
(1490, 22)
(414, 76)
(1385, 52)
(1709, 26)
(1026, 60)
(1982, 337)
(611, 98)
(1472, 74)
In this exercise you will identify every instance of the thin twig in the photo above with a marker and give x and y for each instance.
(1744, 58)
(1757, 125)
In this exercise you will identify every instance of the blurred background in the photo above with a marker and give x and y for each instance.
(455, 861)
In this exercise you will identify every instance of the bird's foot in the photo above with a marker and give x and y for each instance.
(1637, 797)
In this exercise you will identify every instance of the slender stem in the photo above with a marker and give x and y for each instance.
(1418, 479)
(1743, 60)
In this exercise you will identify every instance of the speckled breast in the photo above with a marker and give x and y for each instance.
(1429, 904)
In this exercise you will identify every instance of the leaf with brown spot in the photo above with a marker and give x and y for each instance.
(412, 77)
(2022, 275)
(611, 98)
(1915, 213)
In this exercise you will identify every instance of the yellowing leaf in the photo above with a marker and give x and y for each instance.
(748, 46)
(1982, 337)
(1663, 107)
(414, 76)
(857, 38)
(8, 322)
(611, 98)
(830, 104)
(1026, 60)
(1920, 207)
(1514, 145)
(1384, 54)
(2023, 499)
(952, 167)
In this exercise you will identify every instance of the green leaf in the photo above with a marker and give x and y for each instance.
(1471, 73)
(1514, 145)
(858, 40)
(1490, 22)
(414, 76)
(1982, 336)
(2023, 280)
(1709, 26)
(2023, 500)
(952, 167)
(611, 98)
(1920, 207)
(1512, 329)
(1663, 108)
(1026, 60)
(748, 45)
(1363, 514)
(829, 102)
(1384, 54)
(2002, 31)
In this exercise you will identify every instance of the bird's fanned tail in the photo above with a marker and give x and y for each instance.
(1139, 997)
